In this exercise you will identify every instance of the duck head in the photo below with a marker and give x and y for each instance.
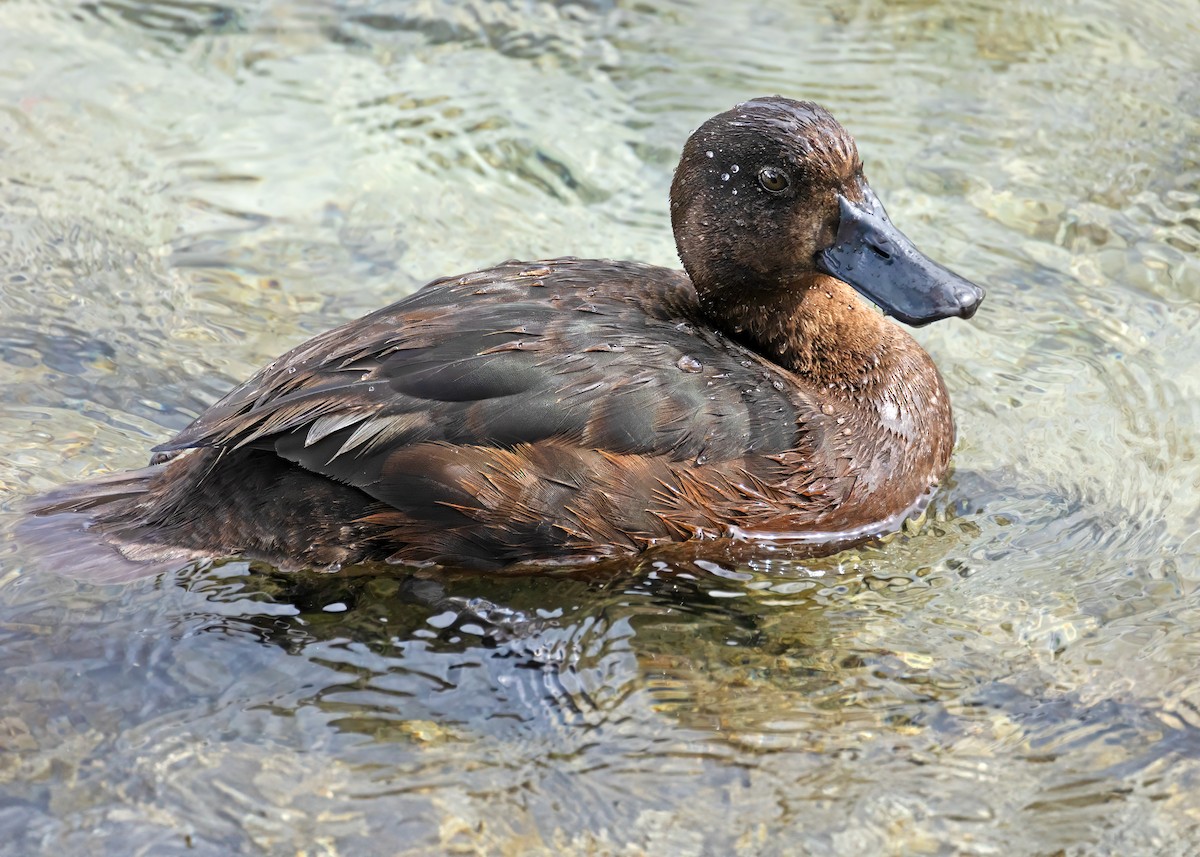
(771, 194)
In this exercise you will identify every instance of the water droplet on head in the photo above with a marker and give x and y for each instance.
(734, 168)
(724, 177)
(710, 154)
(690, 364)
(735, 191)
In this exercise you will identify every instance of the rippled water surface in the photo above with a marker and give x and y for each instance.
(188, 189)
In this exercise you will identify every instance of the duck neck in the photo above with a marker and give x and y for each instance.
(818, 328)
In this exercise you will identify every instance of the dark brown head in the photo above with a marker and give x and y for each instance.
(772, 192)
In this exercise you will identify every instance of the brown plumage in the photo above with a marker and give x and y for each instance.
(578, 408)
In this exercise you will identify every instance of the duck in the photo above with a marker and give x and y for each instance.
(567, 410)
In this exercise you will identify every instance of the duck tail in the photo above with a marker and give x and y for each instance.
(98, 493)
(89, 530)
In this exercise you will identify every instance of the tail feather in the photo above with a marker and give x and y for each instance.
(103, 491)
(203, 504)
(74, 531)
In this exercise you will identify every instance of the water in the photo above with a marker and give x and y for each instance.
(187, 190)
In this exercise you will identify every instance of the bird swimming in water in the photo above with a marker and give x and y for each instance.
(573, 409)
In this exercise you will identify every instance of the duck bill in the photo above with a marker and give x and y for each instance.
(879, 261)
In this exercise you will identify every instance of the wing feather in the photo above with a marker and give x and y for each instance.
(637, 373)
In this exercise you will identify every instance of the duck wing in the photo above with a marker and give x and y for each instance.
(608, 355)
(561, 361)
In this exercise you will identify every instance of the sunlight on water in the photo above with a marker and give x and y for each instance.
(187, 190)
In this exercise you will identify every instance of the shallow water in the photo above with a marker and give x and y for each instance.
(186, 190)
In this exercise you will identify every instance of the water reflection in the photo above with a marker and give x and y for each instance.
(631, 699)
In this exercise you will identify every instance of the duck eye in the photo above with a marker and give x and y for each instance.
(772, 179)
